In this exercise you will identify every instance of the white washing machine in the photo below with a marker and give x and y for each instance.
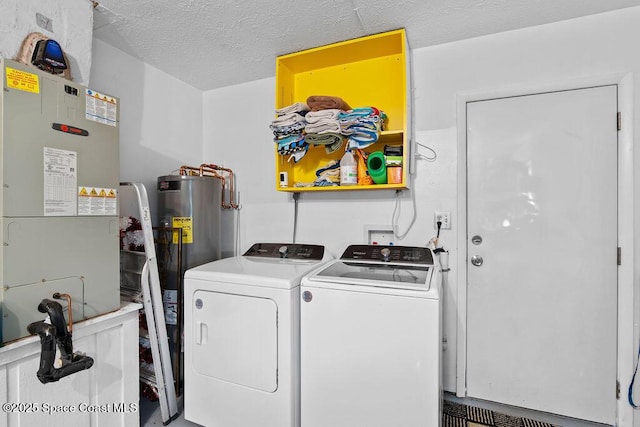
(241, 337)
(371, 339)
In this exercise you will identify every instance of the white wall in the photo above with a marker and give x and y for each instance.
(236, 131)
(71, 21)
(160, 117)
(157, 110)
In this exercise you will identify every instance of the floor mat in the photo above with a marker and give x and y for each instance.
(459, 415)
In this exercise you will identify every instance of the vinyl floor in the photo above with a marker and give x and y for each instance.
(453, 415)
(458, 415)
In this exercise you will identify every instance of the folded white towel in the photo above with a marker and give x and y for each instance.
(323, 127)
(298, 107)
(315, 116)
(287, 119)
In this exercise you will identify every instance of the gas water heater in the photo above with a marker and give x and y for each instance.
(59, 203)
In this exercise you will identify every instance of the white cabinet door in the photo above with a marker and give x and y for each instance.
(542, 252)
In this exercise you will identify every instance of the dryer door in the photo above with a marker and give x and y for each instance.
(236, 339)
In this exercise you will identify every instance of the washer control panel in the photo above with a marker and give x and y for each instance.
(286, 250)
(391, 254)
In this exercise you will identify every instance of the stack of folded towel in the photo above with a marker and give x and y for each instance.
(288, 130)
(323, 128)
(362, 126)
(328, 121)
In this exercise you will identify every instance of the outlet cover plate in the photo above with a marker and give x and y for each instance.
(444, 217)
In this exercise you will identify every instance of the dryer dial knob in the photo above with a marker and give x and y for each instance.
(386, 254)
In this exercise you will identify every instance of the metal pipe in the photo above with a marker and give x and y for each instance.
(200, 171)
(189, 170)
(211, 170)
(205, 170)
(231, 177)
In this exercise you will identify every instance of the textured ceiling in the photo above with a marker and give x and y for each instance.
(212, 44)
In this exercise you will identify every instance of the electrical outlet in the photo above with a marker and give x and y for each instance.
(444, 218)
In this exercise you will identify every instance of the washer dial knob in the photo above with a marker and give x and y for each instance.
(284, 250)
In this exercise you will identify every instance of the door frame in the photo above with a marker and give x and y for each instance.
(627, 291)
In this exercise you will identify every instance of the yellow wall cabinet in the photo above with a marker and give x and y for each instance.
(364, 72)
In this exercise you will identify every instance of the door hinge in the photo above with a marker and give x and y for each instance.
(619, 256)
(619, 120)
(617, 389)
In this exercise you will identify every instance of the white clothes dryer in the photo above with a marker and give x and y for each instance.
(241, 335)
(371, 339)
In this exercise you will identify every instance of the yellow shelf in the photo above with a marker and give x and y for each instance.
(364, 72)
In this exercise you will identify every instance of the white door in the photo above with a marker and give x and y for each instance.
(542, 252)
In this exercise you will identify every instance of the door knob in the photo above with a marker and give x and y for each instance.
(476, 260)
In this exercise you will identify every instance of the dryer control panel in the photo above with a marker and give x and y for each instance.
(394, 254)
(286, 250)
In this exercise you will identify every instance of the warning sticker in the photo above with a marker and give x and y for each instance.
(101, 108)
(97, 201)
(186, 224)
(22, 80)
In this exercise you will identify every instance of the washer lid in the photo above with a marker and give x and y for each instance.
(378, 274)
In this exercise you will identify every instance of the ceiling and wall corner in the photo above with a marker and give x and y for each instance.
(69, 22)
(215, 44)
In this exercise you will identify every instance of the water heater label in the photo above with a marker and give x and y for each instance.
(186, 224)
(60, 182)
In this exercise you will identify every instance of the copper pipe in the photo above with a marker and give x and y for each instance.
(188, 170)
(212, 171)
(205, 170)
(200, 171)
(232, 192)
(231, 178)
(58, 295)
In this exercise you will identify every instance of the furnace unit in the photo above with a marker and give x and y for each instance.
(59, 202)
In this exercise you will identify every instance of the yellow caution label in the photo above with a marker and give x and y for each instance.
(21, 80)
(186, 224)
(83, 191)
